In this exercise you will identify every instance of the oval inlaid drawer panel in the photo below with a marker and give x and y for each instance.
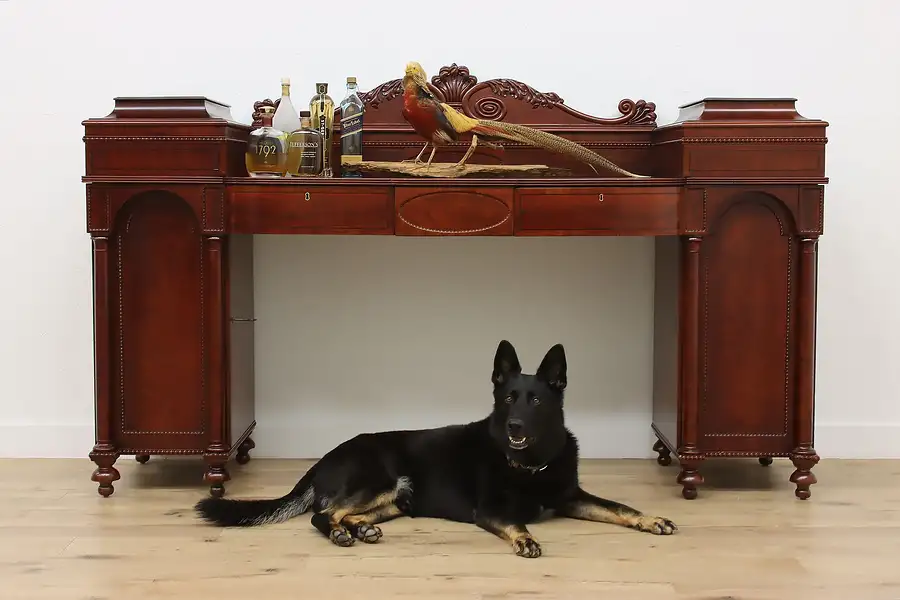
(454, 211)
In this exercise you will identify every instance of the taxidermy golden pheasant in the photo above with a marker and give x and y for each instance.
(439, 123)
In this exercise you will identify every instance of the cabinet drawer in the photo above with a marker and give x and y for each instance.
(454, 211)
(597, 211)
(299, 208)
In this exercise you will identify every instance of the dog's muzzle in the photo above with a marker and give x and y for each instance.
(515, 431)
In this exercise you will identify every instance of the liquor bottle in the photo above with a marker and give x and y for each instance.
(286, 118)
(321, 110)
(352, 109)
(304, 151)
(267, 147)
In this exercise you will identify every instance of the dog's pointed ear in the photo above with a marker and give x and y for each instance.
(506, 363)
(553, 368)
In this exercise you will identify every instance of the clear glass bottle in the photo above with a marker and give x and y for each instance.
(267, 147)
(321, 111)
(304, 151)
(286, 118)
(352, 109)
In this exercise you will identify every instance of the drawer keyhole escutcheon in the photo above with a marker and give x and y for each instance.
(600, 198)
(306, 196)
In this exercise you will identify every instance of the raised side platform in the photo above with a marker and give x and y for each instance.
(735, 200)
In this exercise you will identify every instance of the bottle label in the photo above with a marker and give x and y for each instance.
(351, 124)
(351, 137)
(268, 151)
(326, 136)
(304, 154)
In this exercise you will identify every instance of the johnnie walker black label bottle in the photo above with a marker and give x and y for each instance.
(321, 111)
(304, 151)
(266, 154)
(352, 109)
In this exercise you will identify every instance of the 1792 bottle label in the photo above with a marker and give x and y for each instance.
(267, 151)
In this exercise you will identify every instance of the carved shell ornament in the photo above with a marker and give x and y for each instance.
(456, 86)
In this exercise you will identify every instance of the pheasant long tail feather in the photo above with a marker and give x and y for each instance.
(547, 141)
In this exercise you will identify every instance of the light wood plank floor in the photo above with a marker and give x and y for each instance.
(746, 537)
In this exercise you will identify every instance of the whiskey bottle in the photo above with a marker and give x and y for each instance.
(352, 109)
(304, 151)
(286, 118)
(321, 110)
(266, 154)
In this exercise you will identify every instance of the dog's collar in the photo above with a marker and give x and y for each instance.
(532, 470)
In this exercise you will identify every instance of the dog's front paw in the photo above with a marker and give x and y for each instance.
(527, 547)
(368, 533)
(341, 537)
(657, 525)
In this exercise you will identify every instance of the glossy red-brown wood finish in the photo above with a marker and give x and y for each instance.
(734, 201)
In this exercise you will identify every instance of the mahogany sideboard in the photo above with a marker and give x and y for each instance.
(734, 200)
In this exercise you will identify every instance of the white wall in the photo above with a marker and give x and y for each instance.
(334, 340)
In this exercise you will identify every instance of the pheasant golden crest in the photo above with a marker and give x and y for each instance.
(440, 123)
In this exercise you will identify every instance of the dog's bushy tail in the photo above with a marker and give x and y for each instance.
(227, 512)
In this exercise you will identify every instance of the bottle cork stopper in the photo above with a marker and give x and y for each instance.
(351, 80)
(305, 122)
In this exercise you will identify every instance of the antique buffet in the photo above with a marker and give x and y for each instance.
(734, 198)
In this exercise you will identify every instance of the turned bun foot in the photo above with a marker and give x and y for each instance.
(105, 478)
(105, 473)
(765, 460)
(243, 451)
(665, 455)
(802, 477)
(689, 477)
(142, 458)
(216, 474)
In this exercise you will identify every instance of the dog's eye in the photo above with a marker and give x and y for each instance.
(535, 400)
(509, 399)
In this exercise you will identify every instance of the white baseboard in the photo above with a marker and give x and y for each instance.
(849, 441)
(858, 440)
(46, 441)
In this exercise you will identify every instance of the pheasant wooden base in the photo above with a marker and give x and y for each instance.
(451, 170)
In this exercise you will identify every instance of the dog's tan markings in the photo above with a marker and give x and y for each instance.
(339, 535)
(591, 508)
(518, 536)
(373, 517)
(363, 526)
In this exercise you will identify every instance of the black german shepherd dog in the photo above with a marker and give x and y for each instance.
(499, 473)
